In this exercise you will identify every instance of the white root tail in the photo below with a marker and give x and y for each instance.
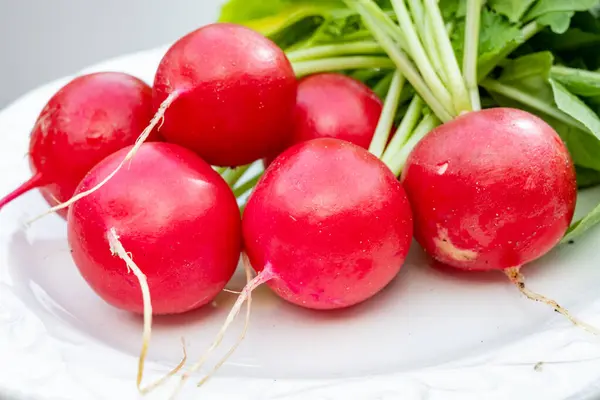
(245, 295)
(231, 291)
(222, 361)
(116, 247)
(518, 280)
(158, 118)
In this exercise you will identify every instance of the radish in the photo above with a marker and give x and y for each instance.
(316, 243)
(235, 92)
(174, 213)
(492, 190)
(224, 91)
(174, 221)
(88, 119)
(337, 106)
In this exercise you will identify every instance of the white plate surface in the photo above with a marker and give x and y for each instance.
(431, 334)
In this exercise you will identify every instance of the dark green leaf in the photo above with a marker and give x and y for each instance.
(586, 21)
(594, 103)
(584, 147)
(576, 108)
(587, 177)
(453, 9)
(573, 40)
(582, 143)
(536, 64)
(558, 22)
(583, 225)
(495, 34)
(578, 81)
(343, 26)
(551, 6)
(511, 9)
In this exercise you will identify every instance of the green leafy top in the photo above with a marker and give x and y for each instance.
(552, 75)
(240, 11)
(514, 10)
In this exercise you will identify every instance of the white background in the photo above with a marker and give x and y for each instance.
(41, 40)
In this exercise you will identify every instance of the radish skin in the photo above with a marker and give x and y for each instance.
(335, 106)
(315, 243)
(173, 213)
(319, 239)
(236, 92)
(223, 91)
(88, 119)
(492, 190)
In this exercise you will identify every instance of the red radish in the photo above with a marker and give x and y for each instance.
(492, 190)
(169, 218)
(234, 90)
(177, 217)
(324, 246)
(88, 119)
(313, 241)
(224, 91)
(235, 94)
(337, 106)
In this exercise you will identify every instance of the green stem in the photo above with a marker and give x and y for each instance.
(335, 50)
(527, 32)
(389, 26)
(304, 68)
(448, 57)
(402, 62)
(243, 207)
(232, 175)
(364, 75)
(471, 45)
(383, 86)
(247, 185)
(531, 101)
(428, 123)
(410, 120)
(418, 13)
(417, 52)
(432, 50)
(386, 120)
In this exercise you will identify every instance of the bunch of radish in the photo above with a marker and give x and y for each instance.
(155, 229)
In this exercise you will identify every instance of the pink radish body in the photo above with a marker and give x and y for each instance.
(88, 119)
(336, 106)
(493, 189)
(173, 213)
(234, 94)
(324, 245)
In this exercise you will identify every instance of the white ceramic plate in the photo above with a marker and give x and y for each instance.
(430, 335)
